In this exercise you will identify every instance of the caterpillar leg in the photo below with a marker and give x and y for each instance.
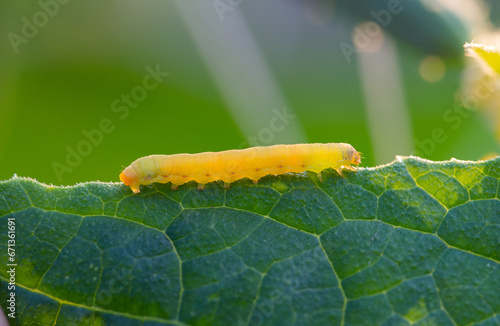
(174, 187)
(339, 171)
(320, 177)
(227, 185)
(350, 168)
(255, 181)
(201, 186)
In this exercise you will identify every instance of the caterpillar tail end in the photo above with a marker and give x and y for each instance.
(128, 181)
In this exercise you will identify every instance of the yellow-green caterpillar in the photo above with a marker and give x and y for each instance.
(232, 165)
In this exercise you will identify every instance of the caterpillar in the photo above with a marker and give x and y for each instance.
(232, 165)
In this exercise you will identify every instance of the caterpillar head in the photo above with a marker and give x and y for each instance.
(130, 178)
(356, 157)
(353, 156)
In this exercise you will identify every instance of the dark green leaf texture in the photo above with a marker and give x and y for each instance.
(411, 243)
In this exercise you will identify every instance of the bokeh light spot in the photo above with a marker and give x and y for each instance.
(432, 69)
(368, 37)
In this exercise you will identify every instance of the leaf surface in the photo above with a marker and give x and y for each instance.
(412, 242)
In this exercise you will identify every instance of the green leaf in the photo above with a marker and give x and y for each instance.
(410, 243)
(436, 28)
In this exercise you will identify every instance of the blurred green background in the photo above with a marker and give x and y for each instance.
(233, 64)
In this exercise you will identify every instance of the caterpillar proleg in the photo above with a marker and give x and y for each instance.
(232, 165)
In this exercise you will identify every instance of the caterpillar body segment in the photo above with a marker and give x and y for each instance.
(232, 165)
